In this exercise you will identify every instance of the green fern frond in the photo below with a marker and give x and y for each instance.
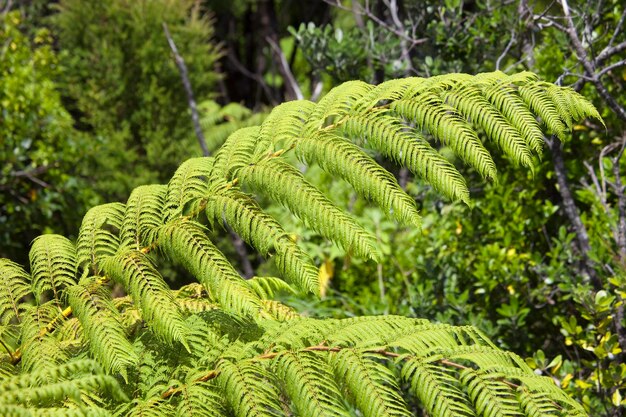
(536, 97)
(143, 216)
(53, 265)
(284, 184)
(237, 152)
(188, 183)
(346, 160)
(186, 242)
(99, 235)
(408, 148)
(150, 293)
(200, 399)
(253, 225)
(268, 287)
(503, 95)
(490, 396)
(92, 305)
(14, 286)
(247, 354)
(372, 384)
(310, 384)
(436, 387)
(431, 114)
(54, 384)
(218, 122)
(40, 350)
(245, 387)
(470, 103)
(285, 124)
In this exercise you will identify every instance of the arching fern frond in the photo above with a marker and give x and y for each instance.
(53, 264)
(99, 235)
(143, 216)
(14, 286)
(149, 292)
(261, 231)
(186, 241)
(92, 305)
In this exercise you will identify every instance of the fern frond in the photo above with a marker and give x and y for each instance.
(99, 235)
(372, 384)
(436, 387)
(188, 183)
(503, 95)
(14, 286)
(200, 399)
(248, 390)
(285, 124)
(537, 98)
(261, 231)
(470, 103)
(268, 287)
(53, 265)
(92, 305)
(339, 157)
(236, 152)
(143, 216)
(40, 350)
(286, 185)
(408, 148)
(431, 114)
(310, 384)
(490, 396)
(150, 293)
(186, 242)
(357, 330)
(54, 384)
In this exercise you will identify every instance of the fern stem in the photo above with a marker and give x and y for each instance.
(214, 373)
(4, 345)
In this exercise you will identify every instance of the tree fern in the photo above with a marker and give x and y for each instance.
(223, 345)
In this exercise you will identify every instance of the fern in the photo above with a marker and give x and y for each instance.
(223, 345)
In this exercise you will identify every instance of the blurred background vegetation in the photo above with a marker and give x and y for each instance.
(92, 104)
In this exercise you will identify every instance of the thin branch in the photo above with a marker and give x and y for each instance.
(184, 75)
(506, 50)
(286, 71)
(611, 67)
(7, 7)
(621, 202)
(617, 29)
(247, 73)
(367, 12)
(4, 345)
(609, 51)
(589, 65)
(572, 213)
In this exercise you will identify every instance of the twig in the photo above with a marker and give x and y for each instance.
(367, 12)
(589, 65)
(506, 50)
(621, 202)
(7, 7)
(247, 73)
(286, 71)
(4, 345)
(611, 67)
(608, 52)
(184, 75)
